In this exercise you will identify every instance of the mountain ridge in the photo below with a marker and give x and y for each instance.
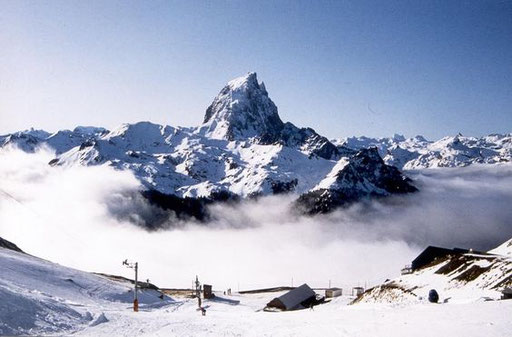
(243, 149)
(450, 151)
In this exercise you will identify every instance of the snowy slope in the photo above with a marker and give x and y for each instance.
(40, 297)
(333, 319)
(459, 278)
(504, 249)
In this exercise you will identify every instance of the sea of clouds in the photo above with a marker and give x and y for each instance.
(92, 218)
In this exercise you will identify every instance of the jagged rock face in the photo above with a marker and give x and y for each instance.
(308, 140)
(362, 176)
(242, 110)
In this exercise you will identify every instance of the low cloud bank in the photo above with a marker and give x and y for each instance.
(90, 217)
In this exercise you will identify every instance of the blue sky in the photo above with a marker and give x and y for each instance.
(344, 68)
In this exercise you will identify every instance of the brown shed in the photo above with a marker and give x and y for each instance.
(207, 291)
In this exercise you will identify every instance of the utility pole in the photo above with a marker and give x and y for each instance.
(134, 266)
(198, 292)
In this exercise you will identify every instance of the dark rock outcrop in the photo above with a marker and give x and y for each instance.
(364, 176)
(9, 245)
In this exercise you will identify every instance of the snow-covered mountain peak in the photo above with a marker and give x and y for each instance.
(420, 138)
(244, 82)
(242, 110)
(141, 131)
(36, 133)
(369, 153)
(398, 138)
(90, 130)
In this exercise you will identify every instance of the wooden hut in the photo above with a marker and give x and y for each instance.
(207, 291)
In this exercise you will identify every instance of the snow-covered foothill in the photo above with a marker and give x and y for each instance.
(457, 278)
(40, 297)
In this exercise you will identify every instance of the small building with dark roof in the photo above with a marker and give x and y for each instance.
(432, 253)
(506, 294)
(357, 291)
(298, 298)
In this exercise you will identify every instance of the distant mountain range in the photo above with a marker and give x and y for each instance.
(243, 149)
(419, 153)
